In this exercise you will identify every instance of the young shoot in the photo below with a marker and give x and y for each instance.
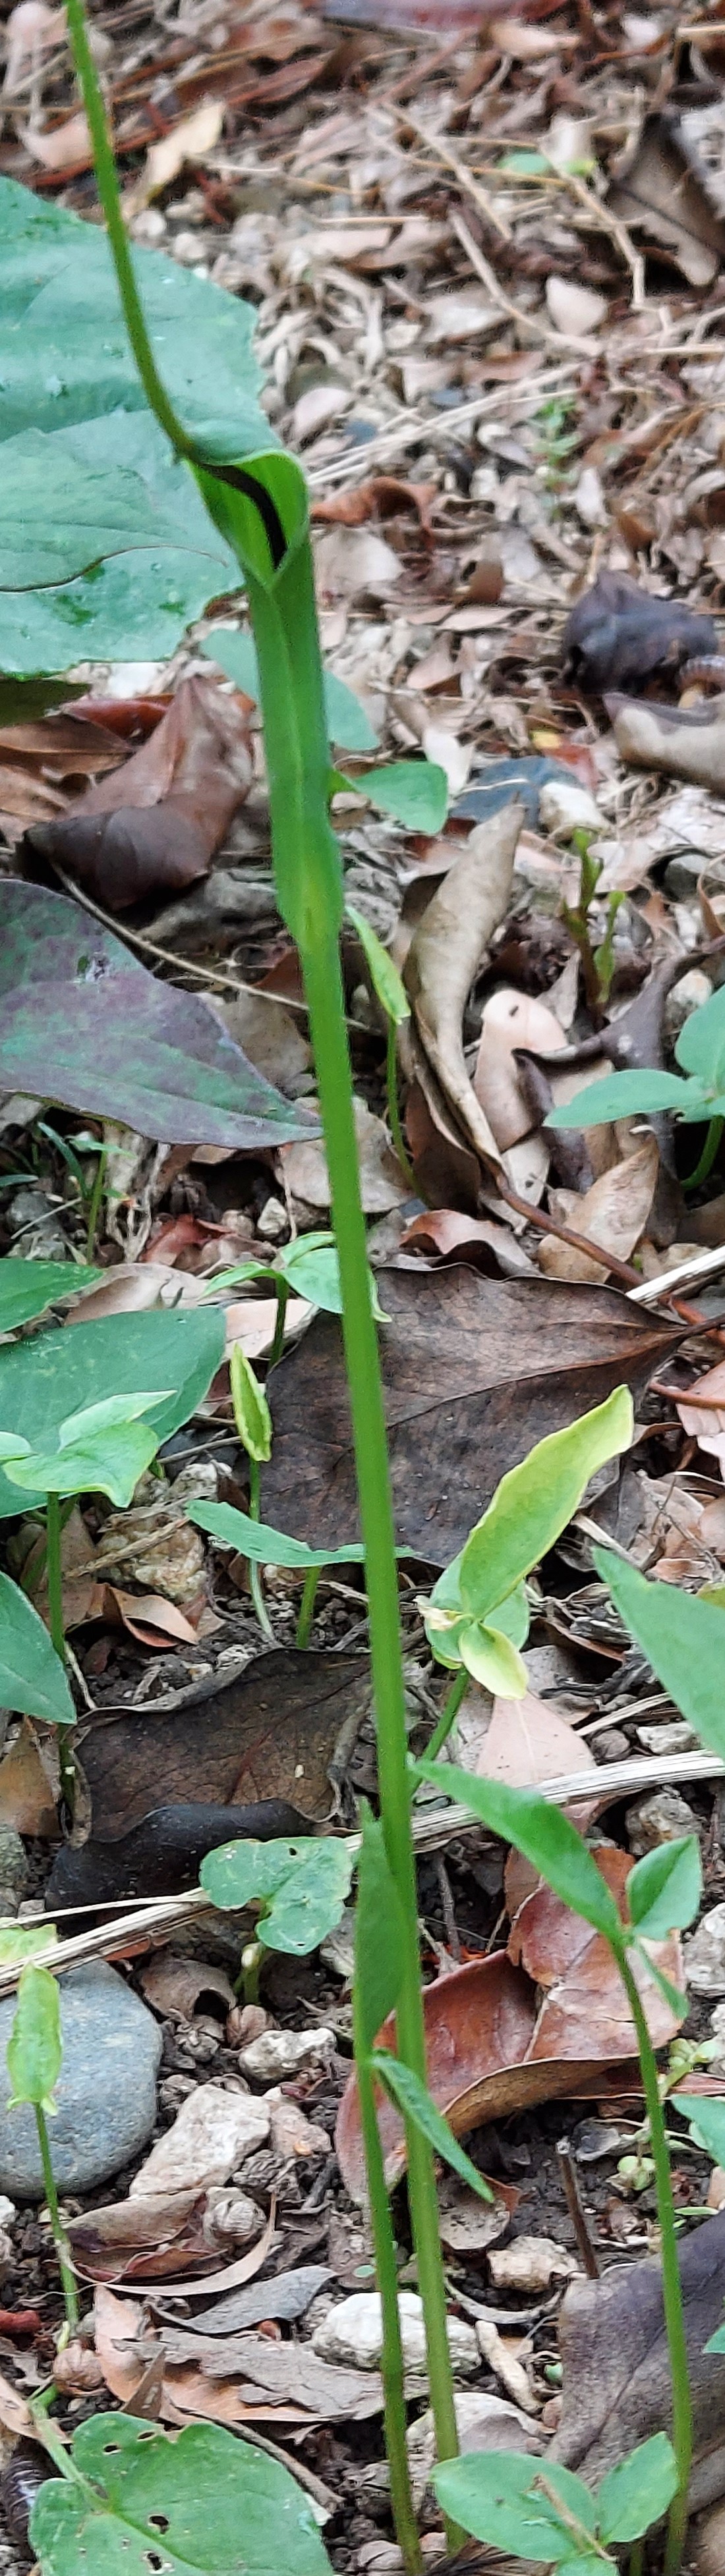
(390, 992)
(697, 1099)
(34, 2060)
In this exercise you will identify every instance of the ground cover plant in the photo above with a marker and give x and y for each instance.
(96, 498)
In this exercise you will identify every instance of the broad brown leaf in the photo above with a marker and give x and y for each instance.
(475, 1371)
(155, 824)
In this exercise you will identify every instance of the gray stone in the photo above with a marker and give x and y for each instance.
(106, 2090)
(14, 1864)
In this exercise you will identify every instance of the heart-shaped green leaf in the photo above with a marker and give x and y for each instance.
(45, 1380)
(32, 1677)
(28, 1287)
(202, 2504)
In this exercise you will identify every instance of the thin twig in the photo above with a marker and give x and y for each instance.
(549, 1224)
(524, 321)
(414, 431)
(183, 965)
(466, 181)
(577, 2212)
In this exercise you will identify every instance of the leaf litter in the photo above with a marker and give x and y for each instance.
(511, 527)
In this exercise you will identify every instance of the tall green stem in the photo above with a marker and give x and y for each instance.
(54, 1578)
(449, 1713)
(682, 2433)
(393, 2371)
(307, 1605)
(70, 2292)
(255, 1579)
(323, 987)
(707, 1157)
(394, 1118)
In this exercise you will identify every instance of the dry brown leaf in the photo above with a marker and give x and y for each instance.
(682, 742)
(14, 2414)
(62, 146)
(383, 1186)
(154, 824)
(149, 1618)
(26, 1799)
(446, 953)
(617, 2385)
(479, 1240)
(525, 1740)
(354, 562)
(174, 1984)
(272, 2372)
(575, 310)
(118, 2327)
(511, 1020)
(190, 140)
(702, 1413)
(491, 2050)
(613, 1212)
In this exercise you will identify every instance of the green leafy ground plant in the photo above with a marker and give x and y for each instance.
(130, 2499)
(697, 1098)
(34, 2060)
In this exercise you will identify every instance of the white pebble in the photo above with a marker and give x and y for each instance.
(278, 2053)
(353, 2334)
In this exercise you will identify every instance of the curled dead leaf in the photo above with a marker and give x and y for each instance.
(613, 1212)
(445, 954)
(154, 824)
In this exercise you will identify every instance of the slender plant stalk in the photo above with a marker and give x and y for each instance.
(54, 1577)
(394, 1118)
(323, 987)
(95, 1202)
(707, 1156)
(307, 1605)
(636, 2559)
(282, 1292)
(449, 1713)
(682, 2432)
(393, 2372)
(255, 1579)
(309, 886)
(70, 2293)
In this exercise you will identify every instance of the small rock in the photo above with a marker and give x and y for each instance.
(680, 881)
(338, 1951)
(509, 2369)
(278, 2053)
(674, 1736)
(531, 2263)
(291, 2132)
(705, 1959)
(211, 2134)
(661, 1818)
(564, 810)
(708, 2555)
(8, 2212)
(589, 501)
(232, 2214)
(106, 2090)
(353, 2334)
(273, 1222)
(612, 1745)
(574, 309)
(686, 996)
(378, 2558)
(14, 1864)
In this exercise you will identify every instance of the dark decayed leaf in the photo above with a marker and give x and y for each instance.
(617, 2386)
(44, 1380)
(83, 1022)
(617, 635)
(154, 825)
(162, 1855)
(475, 1371)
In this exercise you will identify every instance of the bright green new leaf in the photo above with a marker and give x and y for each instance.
(496, 2496)
(102, 1449)
(638, 2492)
(27, 1287)
(268, 1546)
(45, 1380)
(676, 2002)
(251, 1410)
(32, 1677)
(413, 792)
(200, 2504)
(619, 1095)
(303, 1884)
(491, 1659)
(542, 1833)
(235, 653)
(379, 1934)
(664, 1889)
(707, 2122)
(35, 2047)
(21, 1941)
(415, 2102)
(682, 1638)
(386, 982)
(534, 1502)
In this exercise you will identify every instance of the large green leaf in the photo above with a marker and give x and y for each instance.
(683, 1639)
(105, 547)
(497, 2497)
(102, 1449)
(707, 2121)
(27, 1287)
(202, 2504)
(31, 1673)
(44, 1380)
(264, 1545)
(542, 1833)
(83, 1022)
(234, 651)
